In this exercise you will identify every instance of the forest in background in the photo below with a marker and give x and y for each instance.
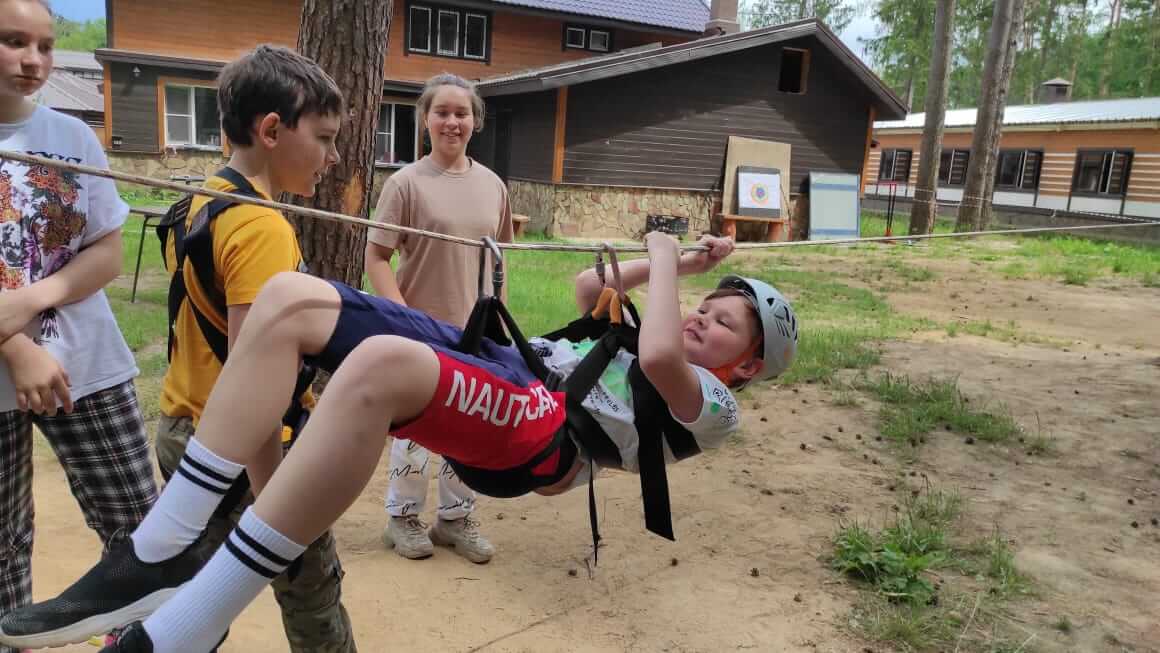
(1105, 48)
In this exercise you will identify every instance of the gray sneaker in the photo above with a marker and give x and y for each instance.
(408, 537)
(463, 536)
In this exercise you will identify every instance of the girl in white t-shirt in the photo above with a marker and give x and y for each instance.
(64, 365)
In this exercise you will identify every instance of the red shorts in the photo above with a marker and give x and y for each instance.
(485, 421)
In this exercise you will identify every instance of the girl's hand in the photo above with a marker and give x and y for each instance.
(700, 262)
(39, 379)
(16, 310)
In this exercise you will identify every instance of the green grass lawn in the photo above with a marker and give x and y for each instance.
(841, 323)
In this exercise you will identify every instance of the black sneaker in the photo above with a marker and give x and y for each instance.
(118, 590)
(133, 639)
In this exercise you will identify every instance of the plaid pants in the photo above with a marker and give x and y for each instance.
(104, 450)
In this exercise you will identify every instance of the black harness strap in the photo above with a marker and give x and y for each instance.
(653, 420)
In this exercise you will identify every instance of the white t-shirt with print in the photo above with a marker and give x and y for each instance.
(46, 217)
(610, 403)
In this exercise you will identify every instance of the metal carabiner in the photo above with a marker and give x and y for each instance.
(497, 276)
(617, 284)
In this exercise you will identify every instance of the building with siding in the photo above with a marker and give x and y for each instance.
(73, 87)
(593, 147)
(1085, 157)
(163, 57)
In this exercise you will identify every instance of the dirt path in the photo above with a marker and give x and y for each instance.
(754, 520)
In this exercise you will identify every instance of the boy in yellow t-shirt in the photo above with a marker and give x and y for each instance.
(280, 112)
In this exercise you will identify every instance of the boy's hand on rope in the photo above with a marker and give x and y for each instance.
(38, 377)
(701, 262)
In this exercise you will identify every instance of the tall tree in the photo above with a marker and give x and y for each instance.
(348, 38)
(1110, 45)
(836, 14)
(987, 117)
(901, 49)
(984, 216)
(922, 211)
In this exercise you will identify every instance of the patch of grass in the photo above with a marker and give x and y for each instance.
(140, 196)
(1063, 625)
(1041, 445)
(1076, 275)
(1015, 270)
(998, 565)
(905, 627)
(909, 272)
(914, 409)
(895, 560)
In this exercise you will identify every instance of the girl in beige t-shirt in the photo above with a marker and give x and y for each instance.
(448, 192)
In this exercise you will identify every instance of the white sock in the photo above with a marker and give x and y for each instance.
(195, 619)
(186, 504)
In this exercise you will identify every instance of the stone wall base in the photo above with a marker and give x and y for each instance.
(603, 211)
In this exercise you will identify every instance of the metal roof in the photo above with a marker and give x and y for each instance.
(73, 60)
(1059, 113)
(652, 56)
(67, 92)
(684, 15)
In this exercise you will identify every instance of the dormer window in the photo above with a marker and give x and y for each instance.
(582, 37)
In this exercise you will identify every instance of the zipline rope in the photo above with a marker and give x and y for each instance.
(546, 247)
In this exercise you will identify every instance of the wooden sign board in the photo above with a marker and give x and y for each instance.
(757, 153)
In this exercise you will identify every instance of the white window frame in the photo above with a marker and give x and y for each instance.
(439, 34)
(390, 145)
(411, 28)
(192, 115)
(466, 22)
(583, 38)
(607, 40)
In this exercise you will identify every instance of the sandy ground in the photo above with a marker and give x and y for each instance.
(755, 520)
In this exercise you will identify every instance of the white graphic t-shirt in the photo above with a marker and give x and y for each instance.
(46, 217)
(610, 402)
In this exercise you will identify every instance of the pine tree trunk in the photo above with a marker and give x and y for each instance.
(348, 38)
(922, 211)
(1109, 46)
(985, 210)
(986, 117)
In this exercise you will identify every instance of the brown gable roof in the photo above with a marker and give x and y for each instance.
(649, 57)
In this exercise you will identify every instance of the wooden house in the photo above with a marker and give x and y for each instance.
(1099, 156)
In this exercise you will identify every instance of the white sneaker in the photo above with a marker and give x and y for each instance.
(463, 536)
(408, 537)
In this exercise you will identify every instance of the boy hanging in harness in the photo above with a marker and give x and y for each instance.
(396, 367)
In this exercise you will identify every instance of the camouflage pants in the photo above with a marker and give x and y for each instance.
(309, 592)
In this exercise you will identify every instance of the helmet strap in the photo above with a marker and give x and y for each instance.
(725, 372)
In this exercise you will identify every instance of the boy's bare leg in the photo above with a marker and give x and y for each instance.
(293, 316)
(385, 379)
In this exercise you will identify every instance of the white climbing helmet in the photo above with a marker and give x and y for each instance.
(778, 323)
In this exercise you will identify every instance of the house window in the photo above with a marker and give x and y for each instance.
(1018, 169)
(1102, 172)
(575, 37)
(448, 32)
(952, 167)
(395, 134)
(895, 165)
(191, 116)
(795, 65)
(419, 30)
(581, 37)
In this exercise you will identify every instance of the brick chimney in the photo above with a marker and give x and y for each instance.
(1054, 90)
(722, 18)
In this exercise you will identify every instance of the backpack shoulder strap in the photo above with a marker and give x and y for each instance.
(193, 245)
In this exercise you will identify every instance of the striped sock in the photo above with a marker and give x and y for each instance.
(194, 620)
(186, 504)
